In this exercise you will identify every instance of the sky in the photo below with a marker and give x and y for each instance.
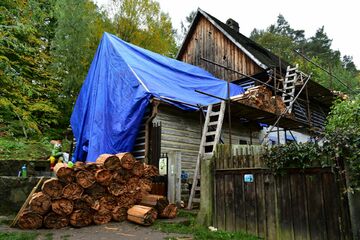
(341, 19)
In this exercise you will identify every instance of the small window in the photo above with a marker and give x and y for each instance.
(243, 142)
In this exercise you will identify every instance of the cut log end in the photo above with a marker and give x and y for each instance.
(72, 191)
(109, 161)
(62, 206)
(55, 221)
(40, 203)
(30, 220)
(80, 218)
(52, 188)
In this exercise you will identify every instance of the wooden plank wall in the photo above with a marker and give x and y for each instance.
(208, 42)
(181, 131)
(300, 204)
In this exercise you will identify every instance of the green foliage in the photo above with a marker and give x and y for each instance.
(144, 24)
(293, 155)
(343, 137)
(18, 235)
(282, 40)
(24, 149)
(199, 232)
(24, 79)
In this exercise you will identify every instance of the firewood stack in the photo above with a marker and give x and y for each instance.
(99, 192)
(261, 97)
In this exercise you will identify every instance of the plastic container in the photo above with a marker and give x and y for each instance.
(24, 171)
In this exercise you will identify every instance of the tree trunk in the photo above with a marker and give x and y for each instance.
(55, 221)
(85, 178)
(30, 220)
(80, 218)
(53, 188)
(109, 161)
(142, 215)
(72, 191)
(62, 206)
(40, 203)
(127, 160)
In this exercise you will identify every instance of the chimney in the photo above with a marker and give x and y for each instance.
(233, 24)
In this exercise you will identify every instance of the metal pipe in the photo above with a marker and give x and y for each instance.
(242, 74)
(211, 95)
(287, 109)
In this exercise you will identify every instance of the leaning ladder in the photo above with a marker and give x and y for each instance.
(210, 137)
(289, 86)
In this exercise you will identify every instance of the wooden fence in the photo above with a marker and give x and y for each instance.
(299, 204)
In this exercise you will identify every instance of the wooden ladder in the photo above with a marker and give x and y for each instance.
(210, 137)
(291, 78)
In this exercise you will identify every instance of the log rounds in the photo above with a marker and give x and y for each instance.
(85, 178)
(56, 221)
(142, 215)
(127, 160)
(103, 177)
(61, 170)
(30, 220)
(119, 214)
(62, 206)
(80, 218)
(101, 218)
(110, 162)
(40, 203)
(52, 187)
(72, 191)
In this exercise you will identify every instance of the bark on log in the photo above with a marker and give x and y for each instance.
(96, 191)
(93, 166)
(156, 201)
(40, 203)
(127, 160)
(145, 184)
(55, 221)
(61, 170)
(30, 220)
(142, 215)
(52, 188)
(101, 218)
(85, 178)
(109, 161)
(62, 206)
(138, 169)
(117, 189)
(103, 177)
(170, 211)
(150, 171)
(119, 214)
(78, 166)
(107, 204)
(94, 204)
(80, 218)
(81, 204)
(72, 191)
(67, 179)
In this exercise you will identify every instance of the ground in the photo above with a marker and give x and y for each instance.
(110, 231)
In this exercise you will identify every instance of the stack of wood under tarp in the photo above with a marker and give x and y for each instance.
(108, 189)
(261, 97)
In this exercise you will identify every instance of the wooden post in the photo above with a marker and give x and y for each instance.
(174, 177)
(205, 215)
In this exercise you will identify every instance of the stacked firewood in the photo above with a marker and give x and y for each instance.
(108, 189)
(261, 97)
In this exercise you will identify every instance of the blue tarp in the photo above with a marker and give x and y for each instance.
(121, 80)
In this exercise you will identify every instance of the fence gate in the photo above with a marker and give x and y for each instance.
(299, 204)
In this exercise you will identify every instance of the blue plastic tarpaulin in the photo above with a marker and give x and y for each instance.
(121, 80)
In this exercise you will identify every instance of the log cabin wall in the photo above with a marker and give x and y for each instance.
(208, 42)
(181, 131)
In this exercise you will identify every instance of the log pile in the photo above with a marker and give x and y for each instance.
(261, 97)
(96, 193)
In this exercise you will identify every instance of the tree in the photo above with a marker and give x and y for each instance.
(80, 25)
(141, 22)
(28, 93)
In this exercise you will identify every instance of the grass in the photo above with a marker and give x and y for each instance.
(198, 232)
(49, 236)
(26, 149)
(18, 235)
